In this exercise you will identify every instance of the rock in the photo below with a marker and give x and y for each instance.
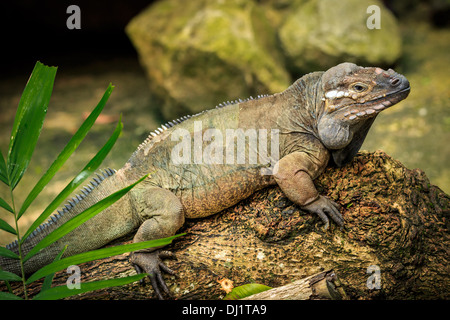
(200, 53)
(319, 34)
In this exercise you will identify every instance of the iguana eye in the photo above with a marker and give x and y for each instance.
(359, 87)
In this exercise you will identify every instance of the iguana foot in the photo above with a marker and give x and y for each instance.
(323, 206)
(152, 264)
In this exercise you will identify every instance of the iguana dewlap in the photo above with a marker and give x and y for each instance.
(205, 163)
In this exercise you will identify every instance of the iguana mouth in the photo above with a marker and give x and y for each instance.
(375, 106)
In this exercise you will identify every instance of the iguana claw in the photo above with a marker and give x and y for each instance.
(323, 206)
(152, 264)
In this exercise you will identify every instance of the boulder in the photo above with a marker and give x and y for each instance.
(200, 53)
(318, 34)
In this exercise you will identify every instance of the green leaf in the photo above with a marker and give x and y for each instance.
(246, 290)
(48, 279)
(87, 170)
(9, 296)
(98, 254)
(5, 205)
(29, 119)
(3, 170)
(5, 226)
(71, 146)
(63, 291)
(8, 253)
(80, 219)
(9, 276)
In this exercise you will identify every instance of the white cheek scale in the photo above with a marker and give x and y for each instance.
(335, 94)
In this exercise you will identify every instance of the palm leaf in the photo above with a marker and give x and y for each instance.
(71, 146)
(3, 170)
(29, 120)
(9, 276)
(8, 253)
(5, 205)
(6, 227)
(87, 170)
(63, 291)
(49, 278)
(9, 296)
(98, 254)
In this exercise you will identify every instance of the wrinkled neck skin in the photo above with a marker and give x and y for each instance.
(298, 119)
(335, 134)
(343, 140)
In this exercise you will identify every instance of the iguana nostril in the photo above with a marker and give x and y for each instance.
(395, 82)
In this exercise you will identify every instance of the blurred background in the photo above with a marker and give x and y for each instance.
(169, 58)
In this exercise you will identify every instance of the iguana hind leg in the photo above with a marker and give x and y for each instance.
(163, 215)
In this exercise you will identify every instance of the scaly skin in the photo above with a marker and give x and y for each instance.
(323, 116)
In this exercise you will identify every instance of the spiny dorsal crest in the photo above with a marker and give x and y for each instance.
(172, 123)
(55, 218)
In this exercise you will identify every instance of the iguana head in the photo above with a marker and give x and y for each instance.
(352, 97)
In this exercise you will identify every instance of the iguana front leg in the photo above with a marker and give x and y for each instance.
(293, 174)
(162, 213)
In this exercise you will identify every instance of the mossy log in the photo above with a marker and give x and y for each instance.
(395, 220)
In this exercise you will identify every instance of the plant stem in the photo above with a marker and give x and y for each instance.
(19, 243)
